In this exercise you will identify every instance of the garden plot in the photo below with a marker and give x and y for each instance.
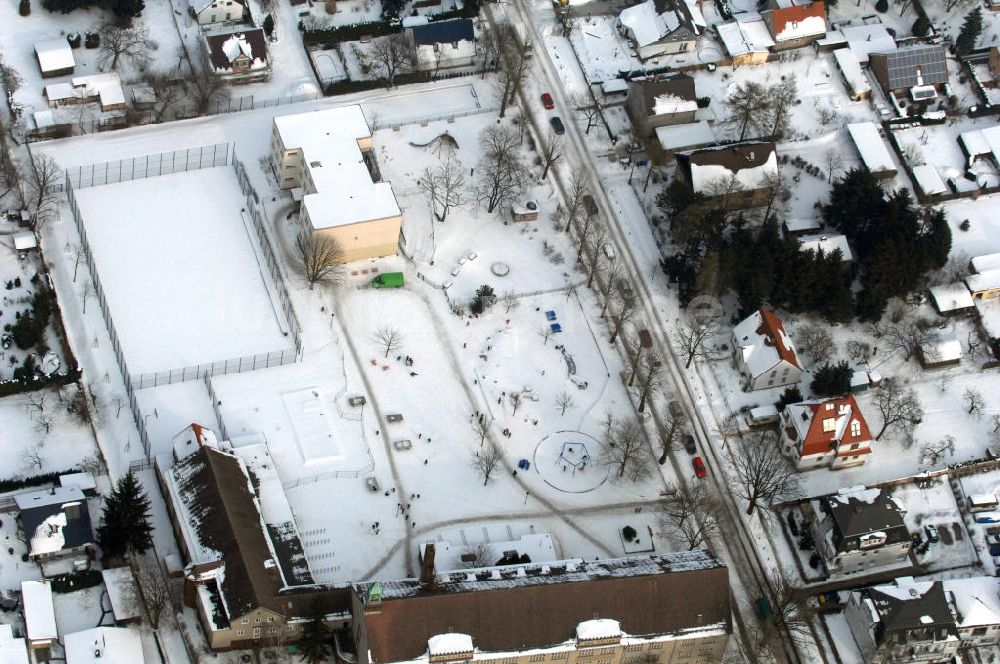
(982, 236)
(180, 270)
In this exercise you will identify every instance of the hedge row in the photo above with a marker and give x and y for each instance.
(17, 386)
(73, 581)
(381, 28)
(34, 480)
(347, 87)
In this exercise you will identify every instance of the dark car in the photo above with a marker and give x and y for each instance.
(699, 467)
(557, 125)
(547, 101)
(689, 444)
(932, 533)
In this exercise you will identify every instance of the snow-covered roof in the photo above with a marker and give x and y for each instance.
(412, 21)
(827, 243)
(751, 163)
(851, 69)
(943, 349)
(599, 628)
(646, 25)
(746, 34)
(449, 644)
(977, 600)
(45, 497)
(83, 481)
(225, 48)
(988, 311)
(668, 104)
(190, 438)
(12, 651)
(107, 87)
(681, 136)
(983, 281)
(951, 297)
(345, 193)
(44, 119)
(871, 147)
(799, 21)
(697, 17)
(56, 92)
(985, 262)
(39, 614)
(448, 557)
(54, 54)
(54, 519)
(929, 180)
(122, 593)
(862, 40)
(762, 342)
(103, 645)
(974, 143)
(24, 241)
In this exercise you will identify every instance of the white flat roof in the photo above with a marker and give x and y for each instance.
(866, 39)
(985, 262)
(103, 645)
(39, 614)
(851, 69)
(678, 137)
(951, 297)
(983, 281)
(12, 651)
(59, 91)
(54, 54)
(57, 495)
(24, 241)
(871, 147)
(107, 86)
(929, 180)
(745, 35)
(122, 592)
(974, 142)
(828, 243)
(81, 480)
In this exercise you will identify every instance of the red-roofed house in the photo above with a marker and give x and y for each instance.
(764, 353)
(795, 23)
(826, 432)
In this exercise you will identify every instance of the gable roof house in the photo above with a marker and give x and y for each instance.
(444, 44)
(570, 608)
(905, 621)
(794, 23)
(215, 13)
(914, 70)
(239, 56)
(56, 525)
(661, 101)
(55, 58)
(658, 27)
(858, 529)
(746, 39)
(741, 174)
(764, 353)
(825, 432)
(244, 574)
(975, 604)
(105, 89)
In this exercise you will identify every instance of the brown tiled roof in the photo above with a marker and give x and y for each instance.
(796, 13)
(773, 327)
(506, 610)
(254, 38)
(817, 441)
(681, 86)
(735, 157)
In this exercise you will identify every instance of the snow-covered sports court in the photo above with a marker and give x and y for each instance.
(181, 271)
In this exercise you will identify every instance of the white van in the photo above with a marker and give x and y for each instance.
(762, 416)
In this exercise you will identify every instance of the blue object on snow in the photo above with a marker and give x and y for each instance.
(556, 327)
(550, 315)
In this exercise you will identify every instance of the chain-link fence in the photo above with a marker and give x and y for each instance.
(136, 168)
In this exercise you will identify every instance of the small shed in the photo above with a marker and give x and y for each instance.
(929, 180)
(25, 241)
(874, 154)
(524, 211)
(39, 616)
(952, 299)
(941, 352)
(143, 97)
(827, 243)
(122, 593)
(83, 481)
(55, 58)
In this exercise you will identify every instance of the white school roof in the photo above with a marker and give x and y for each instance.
(828, 243)
(54, 54)
(851, 69)
(985, 262)
(103, 645)
(345, 193)
(12, 651)
(951, 297)
(679, 137)
(39, 614)
(871, 147)
(929, 180)
(983, 281)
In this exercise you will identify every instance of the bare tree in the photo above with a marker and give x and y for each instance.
(515, 401)
(898, 405)
(974, 400)
(204, 88)
(42, 177)
(908, 335)
(550, 149)
(859, 350)
(168, 92)
(502, 174)
(486, 460)
(125, 44)
(31, 458)
(995, 426)
(671, 430)
(624, 311)
(592, 250)
(444, 186)
(10, 78)
(514, 65)
(43, 423)
(320, 257)
(510, 301)
(153, 589)
(388, 57)
(575, 191)
(482, 425)
(389, 339)
(728, 427)
(834, 163)
(697, 340)
(692, 511)
(791, 613)
(761, 474)
(545, 331)
(932, 454)
(649, 376)
(564, 402)
(815, 342)
(35, 402)
(625, 451)
(588, 109)
(86, 293)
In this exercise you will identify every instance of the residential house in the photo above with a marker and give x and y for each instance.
(103, 645)
(216, 13)
(105, 89)
(56, 526)
(984, 285)
(658, 27)
(825, 432)
(239, 56)
(444, 44)
(952, 299)
(940, 351)
(571, 610)
(858, 529)
(244, 572)
(12, 650)
(55, 58)
(905, 621)
(660, 101)
(850, 71)
(39, 618)
(795, 23)
(764, 353)
(327, 157)
(738, 175)
(975, 604)
(914, 70)
(746, 39)
(827, 243)
(691, 136)
(861, 40)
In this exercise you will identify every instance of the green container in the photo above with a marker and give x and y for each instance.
(388, 280)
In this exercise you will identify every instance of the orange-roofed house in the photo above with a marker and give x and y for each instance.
(764, 353)
(795, 23)
(825, 432)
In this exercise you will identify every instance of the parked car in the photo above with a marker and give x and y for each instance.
(547, 101)
(557, 125)
(932, 533)
(689, 444)
(7, 342)
(699, 467)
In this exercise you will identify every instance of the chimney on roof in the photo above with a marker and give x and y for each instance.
(427, 566)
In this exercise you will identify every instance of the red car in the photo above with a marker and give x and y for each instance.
(547, 101)
(699, 467)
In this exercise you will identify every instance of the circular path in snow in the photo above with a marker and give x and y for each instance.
(569, 461)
